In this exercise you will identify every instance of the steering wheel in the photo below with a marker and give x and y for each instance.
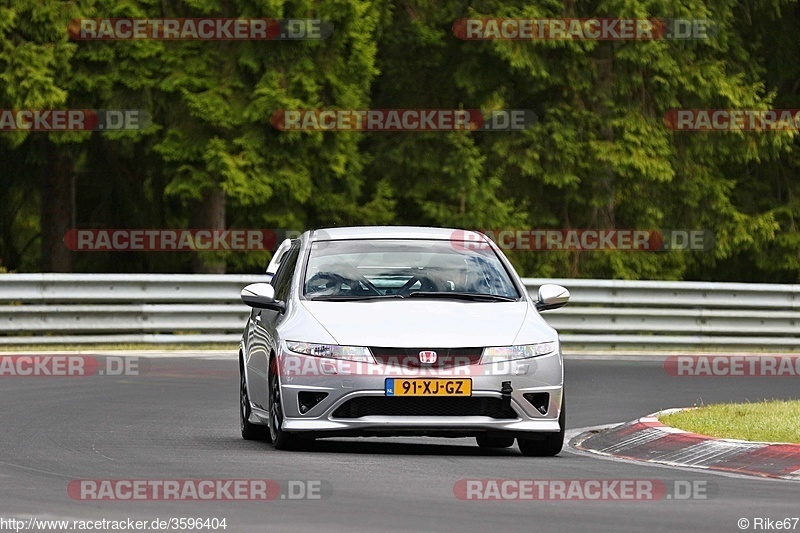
(324, 281)
(335, 281)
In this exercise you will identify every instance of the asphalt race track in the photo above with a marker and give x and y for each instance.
(178, 420)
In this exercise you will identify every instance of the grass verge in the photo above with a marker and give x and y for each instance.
(767, 421)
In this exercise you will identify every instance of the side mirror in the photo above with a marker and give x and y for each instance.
(262, 296)
(552, 297)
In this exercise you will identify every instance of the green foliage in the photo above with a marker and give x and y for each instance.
(599, 155)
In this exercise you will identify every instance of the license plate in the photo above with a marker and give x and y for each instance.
(428, 387)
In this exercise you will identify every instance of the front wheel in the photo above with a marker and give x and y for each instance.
(249, 430)
(280, 439)
(552, 443)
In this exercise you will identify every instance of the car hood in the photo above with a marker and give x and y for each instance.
(424, 323)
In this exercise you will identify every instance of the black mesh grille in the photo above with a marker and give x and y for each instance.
(436, 406)
(445, 357)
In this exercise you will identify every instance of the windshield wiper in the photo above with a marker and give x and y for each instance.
(339, 298)
(473, 296)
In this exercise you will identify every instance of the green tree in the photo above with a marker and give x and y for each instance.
(600, 155)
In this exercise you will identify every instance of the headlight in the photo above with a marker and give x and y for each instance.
(333, 351)
(498, 354)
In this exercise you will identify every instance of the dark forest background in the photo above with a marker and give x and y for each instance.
(599, 156)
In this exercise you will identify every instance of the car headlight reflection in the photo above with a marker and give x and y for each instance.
(499, 354)
(332, 351)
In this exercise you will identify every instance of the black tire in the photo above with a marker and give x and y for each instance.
(552, 443)
(494, 442)
(249, 430)
(280, 439)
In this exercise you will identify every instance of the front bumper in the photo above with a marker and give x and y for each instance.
(345, 382)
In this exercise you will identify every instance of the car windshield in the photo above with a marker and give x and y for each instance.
(395, 268)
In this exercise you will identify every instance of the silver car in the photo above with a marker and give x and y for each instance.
(387, 331)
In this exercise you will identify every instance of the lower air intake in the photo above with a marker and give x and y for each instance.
(392, 406)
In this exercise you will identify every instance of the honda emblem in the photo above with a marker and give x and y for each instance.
(427, 357)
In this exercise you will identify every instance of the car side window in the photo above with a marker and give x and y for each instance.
(283, 277)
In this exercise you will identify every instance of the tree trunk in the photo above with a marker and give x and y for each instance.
(56, 213)
(209, 214)
(605, 88)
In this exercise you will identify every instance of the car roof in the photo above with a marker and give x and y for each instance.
(395, 232)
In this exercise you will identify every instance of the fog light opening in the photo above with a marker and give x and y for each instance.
(308, 400)
(540, 400)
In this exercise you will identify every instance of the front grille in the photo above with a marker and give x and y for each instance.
(445, 357)
(415, 406)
